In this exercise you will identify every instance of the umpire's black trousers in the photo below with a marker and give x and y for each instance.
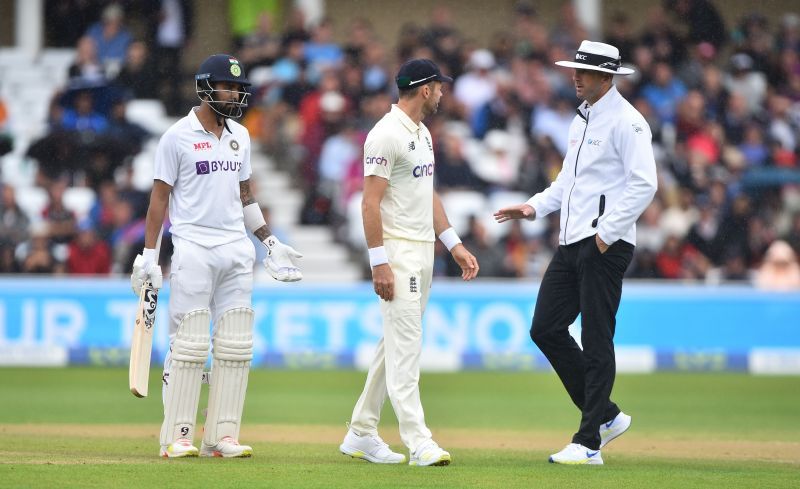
(582, 280)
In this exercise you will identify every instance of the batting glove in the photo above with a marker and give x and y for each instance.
(279, 262)
(146, 269)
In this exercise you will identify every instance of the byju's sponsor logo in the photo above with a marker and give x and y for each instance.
(423, 170)
(206, 167)
(375, 160)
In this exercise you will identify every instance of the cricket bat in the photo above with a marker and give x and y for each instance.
(142, 339)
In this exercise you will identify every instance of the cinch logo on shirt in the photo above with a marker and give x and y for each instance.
(202, 146)
(206, 167)
(423, 170)
(375, 160)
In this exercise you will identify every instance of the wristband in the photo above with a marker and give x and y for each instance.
(377, 256)
(149, 255)
(449, 238)
(253, 218)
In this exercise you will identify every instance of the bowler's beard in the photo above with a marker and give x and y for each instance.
(430, 109)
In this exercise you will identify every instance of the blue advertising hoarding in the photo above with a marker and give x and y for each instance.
(477, 325)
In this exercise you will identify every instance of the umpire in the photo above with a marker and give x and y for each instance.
(607, 180)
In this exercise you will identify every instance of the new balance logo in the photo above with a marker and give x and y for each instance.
(411, 146)
(412, 285)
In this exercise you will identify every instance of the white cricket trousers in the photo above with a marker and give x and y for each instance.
(218, 278)
(395, 369)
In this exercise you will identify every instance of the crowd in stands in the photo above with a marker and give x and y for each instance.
(722, 100)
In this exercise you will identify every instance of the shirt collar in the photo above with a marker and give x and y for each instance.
(196, 125)
(404, 119)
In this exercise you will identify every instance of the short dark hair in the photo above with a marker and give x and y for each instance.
(410, 92)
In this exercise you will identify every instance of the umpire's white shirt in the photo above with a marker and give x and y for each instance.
(401, 151)
(205, 205)
(608, 177)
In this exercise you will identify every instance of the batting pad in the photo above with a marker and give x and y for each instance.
(233, 350)
(188, 355)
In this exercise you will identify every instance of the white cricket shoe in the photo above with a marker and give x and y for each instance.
(614, 428)
(577, 454)
(227, 447)
(429, 453)
(182, 447)
(370, 448)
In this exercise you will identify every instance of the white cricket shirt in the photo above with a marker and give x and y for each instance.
(609, 173)
(205, 205)
(401, 151)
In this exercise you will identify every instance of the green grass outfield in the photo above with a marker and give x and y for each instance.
(81, 428)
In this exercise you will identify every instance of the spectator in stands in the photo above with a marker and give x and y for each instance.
(754, 147)
(497, 159)
(172, 22)
(360, 35)
(621, 34)
(127, 135)
(680, 260)
(703, 20)
(476, 87)
(516, 249)
(88, 255)
(503, 111)
(339, 151)
(743, 80)
(36, 253)
(8, 262)
(492, 257)
(111, 37)
(321, 51)
(780, 270)
(127, 236)
(82, 116)
(329, 111)
(664, 92)
(138, 77)
(64, 34)
(60, 220)
(13, 221)
(660, 38)
(452, 170)
(262, 47)
(102, 213)
(87, 68)
(550, 121)
(6, 139)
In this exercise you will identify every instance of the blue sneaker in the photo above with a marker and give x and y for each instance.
(614, 428)
(577, 454)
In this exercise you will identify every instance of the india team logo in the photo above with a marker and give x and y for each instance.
(234, 145)
(236, 70)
